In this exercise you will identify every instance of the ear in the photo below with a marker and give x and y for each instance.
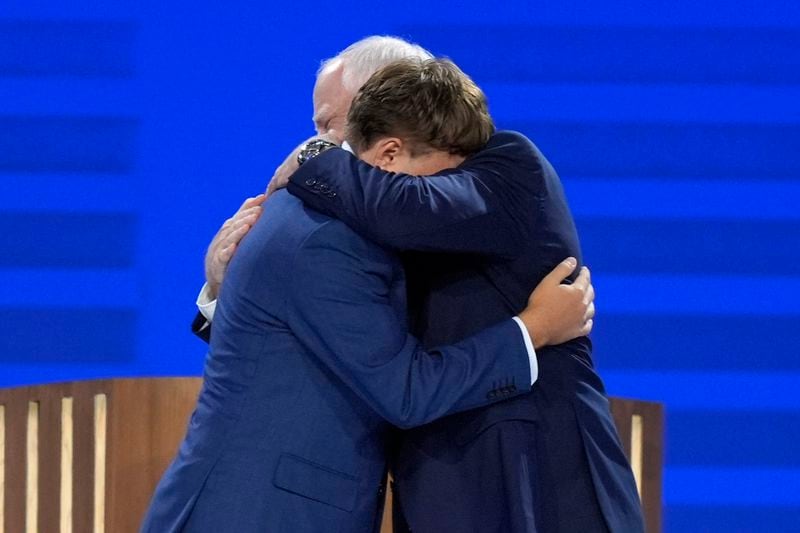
(387, 153)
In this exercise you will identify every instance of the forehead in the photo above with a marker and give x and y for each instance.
(330, 96)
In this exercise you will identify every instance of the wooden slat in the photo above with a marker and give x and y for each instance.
(66, 466)
(16, 418)
(386, 523)
(637, 449)
(100, 441)
(83, 459)
(32, 468)
(652, 464)
(49, 399)
(130, 423)
(622, 412)
(649, 477)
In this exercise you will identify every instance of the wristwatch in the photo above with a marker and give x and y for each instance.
(312, 149)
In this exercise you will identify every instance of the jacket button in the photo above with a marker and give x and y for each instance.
(311, 182)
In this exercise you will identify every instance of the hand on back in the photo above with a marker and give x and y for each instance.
(558, 312)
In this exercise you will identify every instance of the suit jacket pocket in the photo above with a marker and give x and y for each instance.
(316, 482)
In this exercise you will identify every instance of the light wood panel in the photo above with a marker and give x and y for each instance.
(86, 456)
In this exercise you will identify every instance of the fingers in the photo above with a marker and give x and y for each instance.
(273, 185)
(224, 244)
(587, 328)
(248, 213)
(258, 199)
(237, 226)
(248, 207)
(588, 295)
(246, 216)
(583, 280)
(254, 201)
(589, 314)
(226, 253)
(225, 225)
(281, 178)
(236, 234)
(562, 270)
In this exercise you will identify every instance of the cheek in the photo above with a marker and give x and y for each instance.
(335, 135)
(331, 132)
(336, 130)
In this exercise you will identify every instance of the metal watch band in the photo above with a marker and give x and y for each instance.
(312, 149)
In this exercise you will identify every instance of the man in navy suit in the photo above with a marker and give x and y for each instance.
(311, 364)
(549, 461)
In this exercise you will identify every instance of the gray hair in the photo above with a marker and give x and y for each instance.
(365, 57)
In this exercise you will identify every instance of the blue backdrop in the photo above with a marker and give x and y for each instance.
(130, 130)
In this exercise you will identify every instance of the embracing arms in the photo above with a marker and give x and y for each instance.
(343, 310)
(483, 206)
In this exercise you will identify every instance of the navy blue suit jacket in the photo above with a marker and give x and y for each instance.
(547, 461)
(310, 365)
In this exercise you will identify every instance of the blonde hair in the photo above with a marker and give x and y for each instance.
(429, 103)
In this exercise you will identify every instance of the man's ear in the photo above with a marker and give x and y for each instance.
(387, 151)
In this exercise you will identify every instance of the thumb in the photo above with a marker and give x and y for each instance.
(271, 187)
(561, 271)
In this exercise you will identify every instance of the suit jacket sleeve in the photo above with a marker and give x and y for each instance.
(346, 307)
(201, 327)
(484, 206)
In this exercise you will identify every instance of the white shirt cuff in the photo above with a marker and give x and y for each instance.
(206, 304)
(531, 352)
